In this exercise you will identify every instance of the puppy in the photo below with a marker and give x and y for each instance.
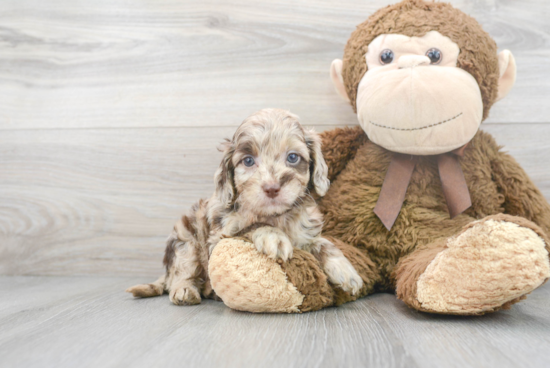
(263, 188)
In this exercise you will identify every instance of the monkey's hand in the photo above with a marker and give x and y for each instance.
(272, 242)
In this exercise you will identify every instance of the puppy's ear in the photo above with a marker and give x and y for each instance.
(223, 178)
(317, 166)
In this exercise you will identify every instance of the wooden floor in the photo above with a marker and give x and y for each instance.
(110, 114)
(90, 322)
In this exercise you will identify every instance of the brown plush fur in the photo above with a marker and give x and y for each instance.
(305, 273)
(341, 148)
(478, 51)
(424, 218)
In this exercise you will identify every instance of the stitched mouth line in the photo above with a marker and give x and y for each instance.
(419, 128)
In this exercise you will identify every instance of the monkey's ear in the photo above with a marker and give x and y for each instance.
(223, 178)
(337, 80)
(318, 169)
(507, 71)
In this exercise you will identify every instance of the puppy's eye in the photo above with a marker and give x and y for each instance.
(434, 55)
(293, 158)
(248, 161)
(386, 56)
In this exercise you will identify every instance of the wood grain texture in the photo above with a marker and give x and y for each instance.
(180, 63)
(91, 322)
(102, 201)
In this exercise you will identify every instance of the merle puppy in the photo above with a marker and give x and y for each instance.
(263, 188)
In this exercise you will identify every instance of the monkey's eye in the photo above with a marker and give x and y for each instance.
(293, 158)
(386, 56)
(434, 55)
(248, 161)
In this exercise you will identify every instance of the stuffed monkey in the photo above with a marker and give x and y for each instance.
(422, 202)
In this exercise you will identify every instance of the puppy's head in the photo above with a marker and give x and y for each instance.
(270, 164)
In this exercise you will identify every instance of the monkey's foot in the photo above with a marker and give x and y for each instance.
(492, 264)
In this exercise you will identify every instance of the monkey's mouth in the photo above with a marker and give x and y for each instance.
(418, 128)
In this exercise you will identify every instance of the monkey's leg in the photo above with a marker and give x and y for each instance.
(491, 264)
(250, 281)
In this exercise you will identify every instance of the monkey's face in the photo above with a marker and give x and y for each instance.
(413, 99)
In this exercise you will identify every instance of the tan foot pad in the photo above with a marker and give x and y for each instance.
(483, 268)
(250, 281)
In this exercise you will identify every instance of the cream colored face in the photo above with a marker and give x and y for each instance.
(271, 167)
(413, 99)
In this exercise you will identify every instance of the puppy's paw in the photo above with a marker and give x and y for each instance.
(185, 296)
(273, 243)
(340, 272)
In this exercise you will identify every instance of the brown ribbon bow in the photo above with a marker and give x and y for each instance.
(398, 178)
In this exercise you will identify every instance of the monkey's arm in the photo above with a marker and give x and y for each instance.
(339, 146)
(522, 197)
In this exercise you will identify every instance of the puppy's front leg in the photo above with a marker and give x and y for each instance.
(338, 268)
(273, 242)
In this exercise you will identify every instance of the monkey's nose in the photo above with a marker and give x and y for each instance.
(271, 190)
(409, 61)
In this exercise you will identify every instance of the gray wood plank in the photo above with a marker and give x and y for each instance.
(91, 322)
(210, 63)
(78, 202)
(102, 201)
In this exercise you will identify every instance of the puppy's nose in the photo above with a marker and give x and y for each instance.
(271, 190)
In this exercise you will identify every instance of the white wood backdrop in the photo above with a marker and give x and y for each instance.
(111, 110)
